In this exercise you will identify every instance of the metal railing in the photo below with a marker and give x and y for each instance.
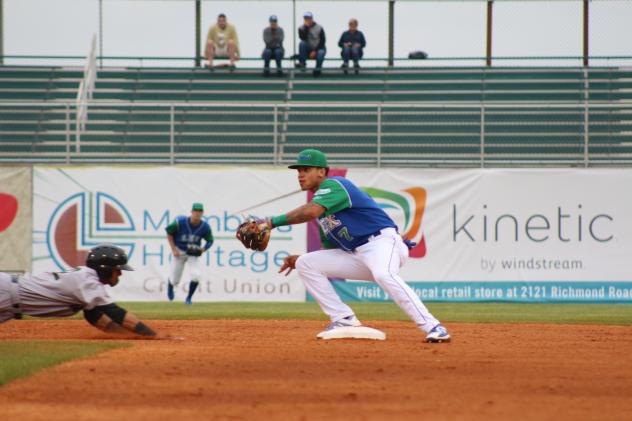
(333, 61)
(467, 134)
(86, 90)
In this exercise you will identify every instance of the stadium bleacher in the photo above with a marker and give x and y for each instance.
(400, 116)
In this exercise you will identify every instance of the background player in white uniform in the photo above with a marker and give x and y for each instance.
(363, 243)
(185, 236)
(59, 294)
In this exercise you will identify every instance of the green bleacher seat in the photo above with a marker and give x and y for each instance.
(129, 122)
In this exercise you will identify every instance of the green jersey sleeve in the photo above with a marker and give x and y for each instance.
(172, 228)
(209, 236)
(332, 196)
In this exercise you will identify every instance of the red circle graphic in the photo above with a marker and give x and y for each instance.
(8, 210)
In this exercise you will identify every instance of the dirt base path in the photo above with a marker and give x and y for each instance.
(277, 370)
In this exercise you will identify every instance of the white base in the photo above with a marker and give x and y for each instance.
(352, 332)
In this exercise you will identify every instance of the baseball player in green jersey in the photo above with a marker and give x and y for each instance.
(60, 294)
(185, 235)
(362, 242)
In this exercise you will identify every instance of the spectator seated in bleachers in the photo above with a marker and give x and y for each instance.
(222, 42)
(312, 44)
(352, 43)
(273, 39)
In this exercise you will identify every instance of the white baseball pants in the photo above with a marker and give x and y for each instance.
(177, 266)
(378, 260)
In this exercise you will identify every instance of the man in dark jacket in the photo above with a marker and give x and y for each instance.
(352, 42)
(273, 38)
(312, 44)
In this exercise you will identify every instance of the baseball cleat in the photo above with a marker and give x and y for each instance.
(344, 322)
(438, 334)
(188, 301)
(170, 293)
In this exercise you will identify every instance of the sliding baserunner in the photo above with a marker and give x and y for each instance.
(61, 294)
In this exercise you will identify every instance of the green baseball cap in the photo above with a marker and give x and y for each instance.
(310, 158)
(197, 207)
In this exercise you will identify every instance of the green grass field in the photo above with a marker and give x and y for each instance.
(448, 312)
(23, 358)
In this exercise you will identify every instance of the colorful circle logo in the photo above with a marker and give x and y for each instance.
(412, 205)
(83, 221)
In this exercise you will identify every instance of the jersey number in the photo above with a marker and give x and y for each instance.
(344, 233)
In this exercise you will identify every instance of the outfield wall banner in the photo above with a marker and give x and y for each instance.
(536, 235)
(15, 219)
(527, 235)
(76, 208)
(518, 292)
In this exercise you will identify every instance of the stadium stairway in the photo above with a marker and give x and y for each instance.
(425, 116)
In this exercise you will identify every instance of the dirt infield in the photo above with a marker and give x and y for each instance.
(277, 370)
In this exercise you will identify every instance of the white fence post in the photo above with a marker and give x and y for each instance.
(275, 158)
(67, 133)
(101, 34)
(171, 134)
(77, 130)
(586, 118)
(482, 135)
(586, 133)
(379, 135)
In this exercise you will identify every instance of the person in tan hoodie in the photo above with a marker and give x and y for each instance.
(222, 42)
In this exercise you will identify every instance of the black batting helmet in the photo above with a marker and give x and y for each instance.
(105, 257)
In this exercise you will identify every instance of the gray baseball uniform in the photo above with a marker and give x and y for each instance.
(51, 294)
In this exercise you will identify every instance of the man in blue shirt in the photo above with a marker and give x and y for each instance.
(361, 242)
(273, 39)
(185, 235)
(352, 43)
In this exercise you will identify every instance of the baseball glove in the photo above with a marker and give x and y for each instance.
(194, 250)
(254, 234)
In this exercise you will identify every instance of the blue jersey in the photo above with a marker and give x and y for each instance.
(185, 234)
(351, 215)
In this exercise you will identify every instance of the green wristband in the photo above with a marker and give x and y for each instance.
(279, 221)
